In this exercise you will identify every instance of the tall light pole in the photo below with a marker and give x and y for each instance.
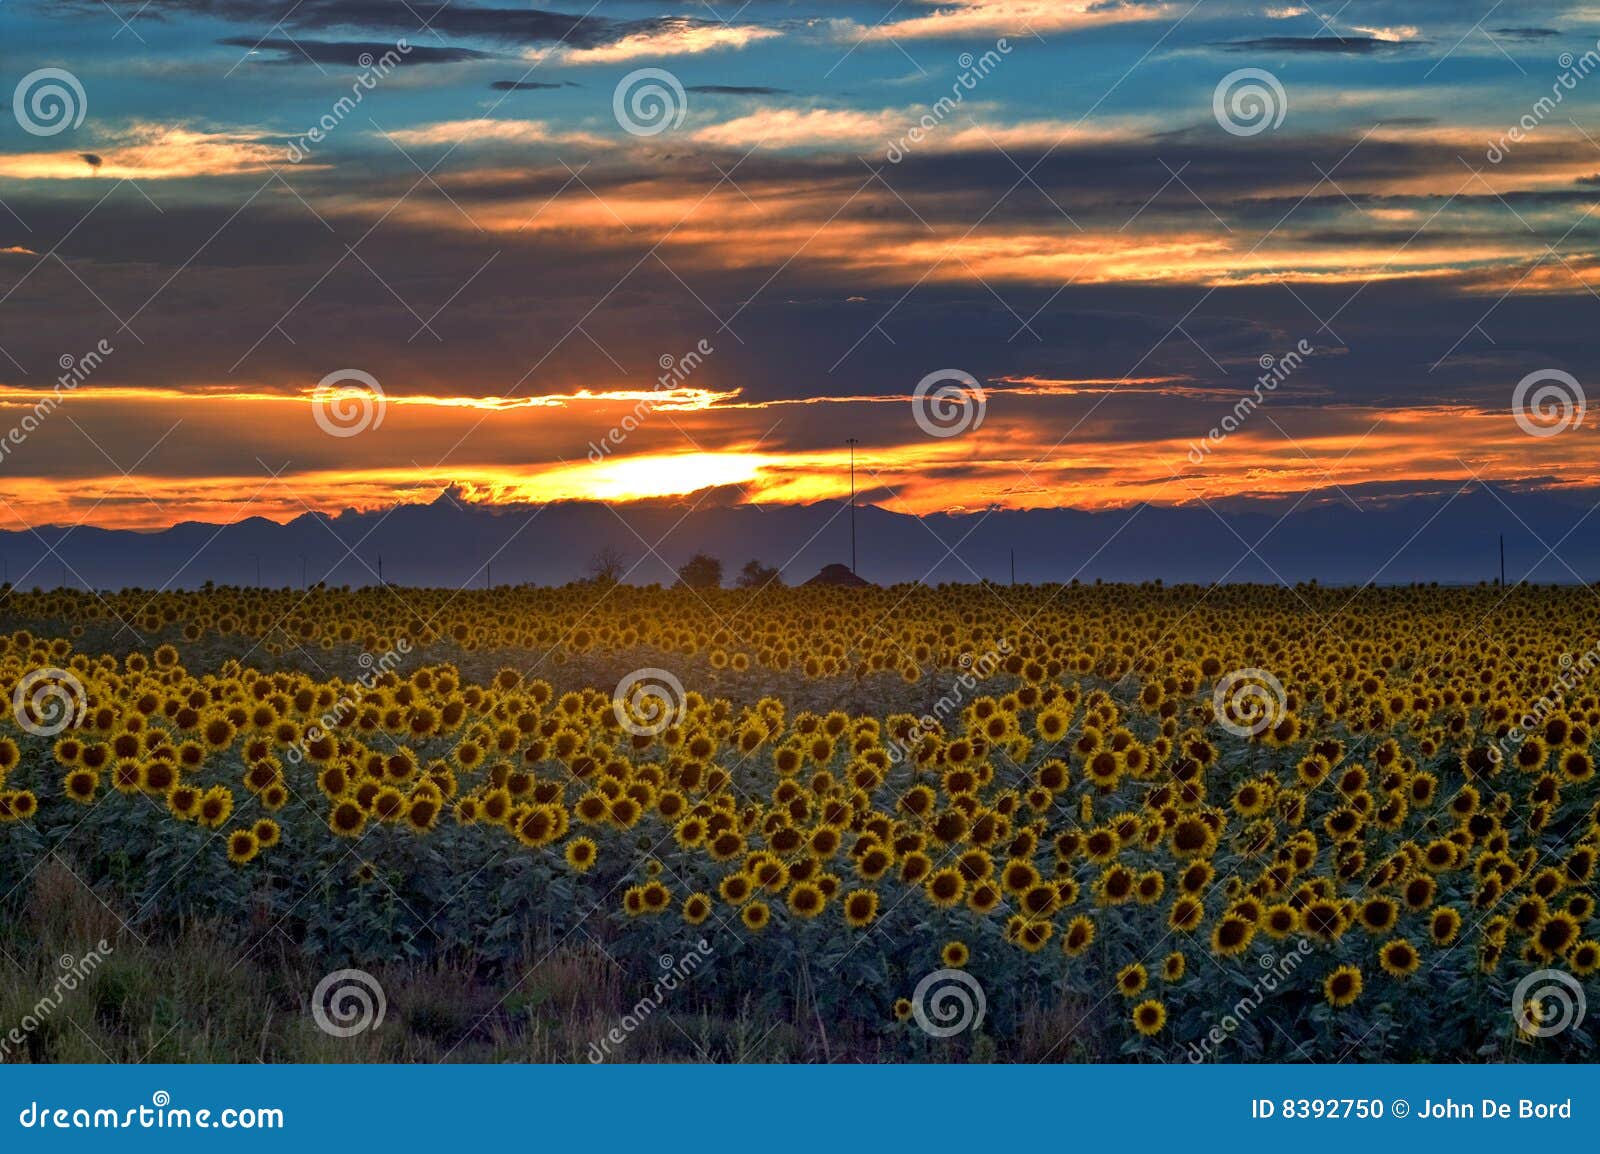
(852, 442)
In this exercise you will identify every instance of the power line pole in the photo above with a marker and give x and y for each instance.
(303, 571)
(852, 442)
(1013, 566)
(1502, 560)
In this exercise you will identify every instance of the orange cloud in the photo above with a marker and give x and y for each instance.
(673, 39)
(1003, 18)
(150, 152)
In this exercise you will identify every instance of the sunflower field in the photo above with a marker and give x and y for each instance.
(1055, 823)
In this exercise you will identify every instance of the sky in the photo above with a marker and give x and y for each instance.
(260, 257)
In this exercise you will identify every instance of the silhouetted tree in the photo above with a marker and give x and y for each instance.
(607, 566)
(755, 575)
(701, 572)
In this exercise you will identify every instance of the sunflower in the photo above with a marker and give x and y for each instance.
(944, 888)
(1149, 1016)
(1231, 935)
(984, 897)
(656, 896)
(860, 908)
(756, 915)
(347, 819)
(1280, 920)
(216, 806)
(902, 1009)
(1556, 936)
(1186, 914)
(1131, 980)
(1079, 936)
(806, 900)
(81, 785)
(1029, 933)
(183, 801)
(1443, 925)
(955, 955)
(696, 908)
(1585, 958)
(1399, 958)
(267, 832)
(1173, 967)
(1342, 986)
(1378, 915)
(581, 854)
(242, 846)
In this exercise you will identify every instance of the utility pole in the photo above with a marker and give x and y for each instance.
(1502, 560)
(1013, 566)
(257, 556)
(488, 575)
(380, 568)
(852, 442)
(303, 571)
